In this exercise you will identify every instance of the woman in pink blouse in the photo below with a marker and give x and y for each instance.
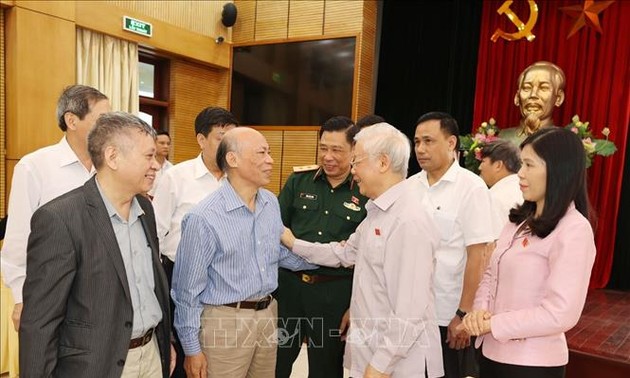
(535, 286)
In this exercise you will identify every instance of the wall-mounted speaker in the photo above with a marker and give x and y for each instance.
(228, 16)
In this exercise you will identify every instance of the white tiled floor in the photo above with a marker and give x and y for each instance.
(300, 367)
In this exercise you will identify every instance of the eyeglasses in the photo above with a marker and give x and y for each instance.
(354, 162)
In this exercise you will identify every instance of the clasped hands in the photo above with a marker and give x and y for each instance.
(476, 323)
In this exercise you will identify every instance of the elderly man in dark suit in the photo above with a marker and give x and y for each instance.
(95, 296)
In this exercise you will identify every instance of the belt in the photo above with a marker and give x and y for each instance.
(258, 305)
(318, 278)
(142, 340)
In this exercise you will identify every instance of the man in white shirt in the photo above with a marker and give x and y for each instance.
(500, 160)
(46, 174)
(460, 205)
(184, 185)
(393, 331)
(163, 145)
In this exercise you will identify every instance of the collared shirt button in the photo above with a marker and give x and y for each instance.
(332, 190)
(326, 212)
(304, 207)
(319, 232)
(347, 217)
(263, 269)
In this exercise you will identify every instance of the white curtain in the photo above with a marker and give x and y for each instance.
(110, 65)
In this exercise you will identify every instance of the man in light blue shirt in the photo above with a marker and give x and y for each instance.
(227, 266)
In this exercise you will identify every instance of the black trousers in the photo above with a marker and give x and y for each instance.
(179, 366)
(459, 363)
(312, 312)
(492, 369)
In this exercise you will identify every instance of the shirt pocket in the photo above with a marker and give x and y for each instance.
(345, 213)
(302, 204)
(445, 222)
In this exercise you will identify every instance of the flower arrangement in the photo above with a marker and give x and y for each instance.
(592, 147)
(471, 144)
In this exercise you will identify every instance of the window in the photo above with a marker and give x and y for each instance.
(153, 91)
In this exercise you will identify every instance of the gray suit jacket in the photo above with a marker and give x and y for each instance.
(77, 316)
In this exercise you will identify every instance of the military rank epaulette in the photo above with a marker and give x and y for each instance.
(305, 168)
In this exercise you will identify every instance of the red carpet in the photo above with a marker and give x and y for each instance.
(600, 343)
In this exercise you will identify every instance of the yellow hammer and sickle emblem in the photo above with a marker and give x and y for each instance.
(524, 30)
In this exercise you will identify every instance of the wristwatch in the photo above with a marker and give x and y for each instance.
(460, 313)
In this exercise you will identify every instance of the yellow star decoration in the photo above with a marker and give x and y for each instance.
(586, 14)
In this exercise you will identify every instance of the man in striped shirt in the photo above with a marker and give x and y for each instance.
(227, 266)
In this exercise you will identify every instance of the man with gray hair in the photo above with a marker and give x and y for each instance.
(500, 161)
(45, 174)
(226, 267)
(393, 328)
(95, 295)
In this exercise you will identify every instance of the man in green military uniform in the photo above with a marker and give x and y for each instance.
(319, 203)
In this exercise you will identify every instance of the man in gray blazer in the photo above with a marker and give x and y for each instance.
(95, 296)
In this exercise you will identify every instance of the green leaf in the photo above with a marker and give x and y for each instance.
(604, 147)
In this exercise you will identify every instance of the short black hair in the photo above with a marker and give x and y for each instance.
(448, 124)
(563, 153)
(340, 123)
(164, 132)
(228, 144)
(505, 151)
(212, 117)
(369, 120)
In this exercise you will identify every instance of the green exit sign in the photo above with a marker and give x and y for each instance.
(137, 26)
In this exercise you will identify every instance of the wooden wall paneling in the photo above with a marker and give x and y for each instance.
(40, 62)
(3, 152)
(193, 87)
(306, 18)
(272, 19)
(299, 148)
(203, 17)
(245, 21)
(343, 16)
(274, 138)
(10, 167)
(6, 3)
(61, 9)
(166, 37)
(364, 101)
